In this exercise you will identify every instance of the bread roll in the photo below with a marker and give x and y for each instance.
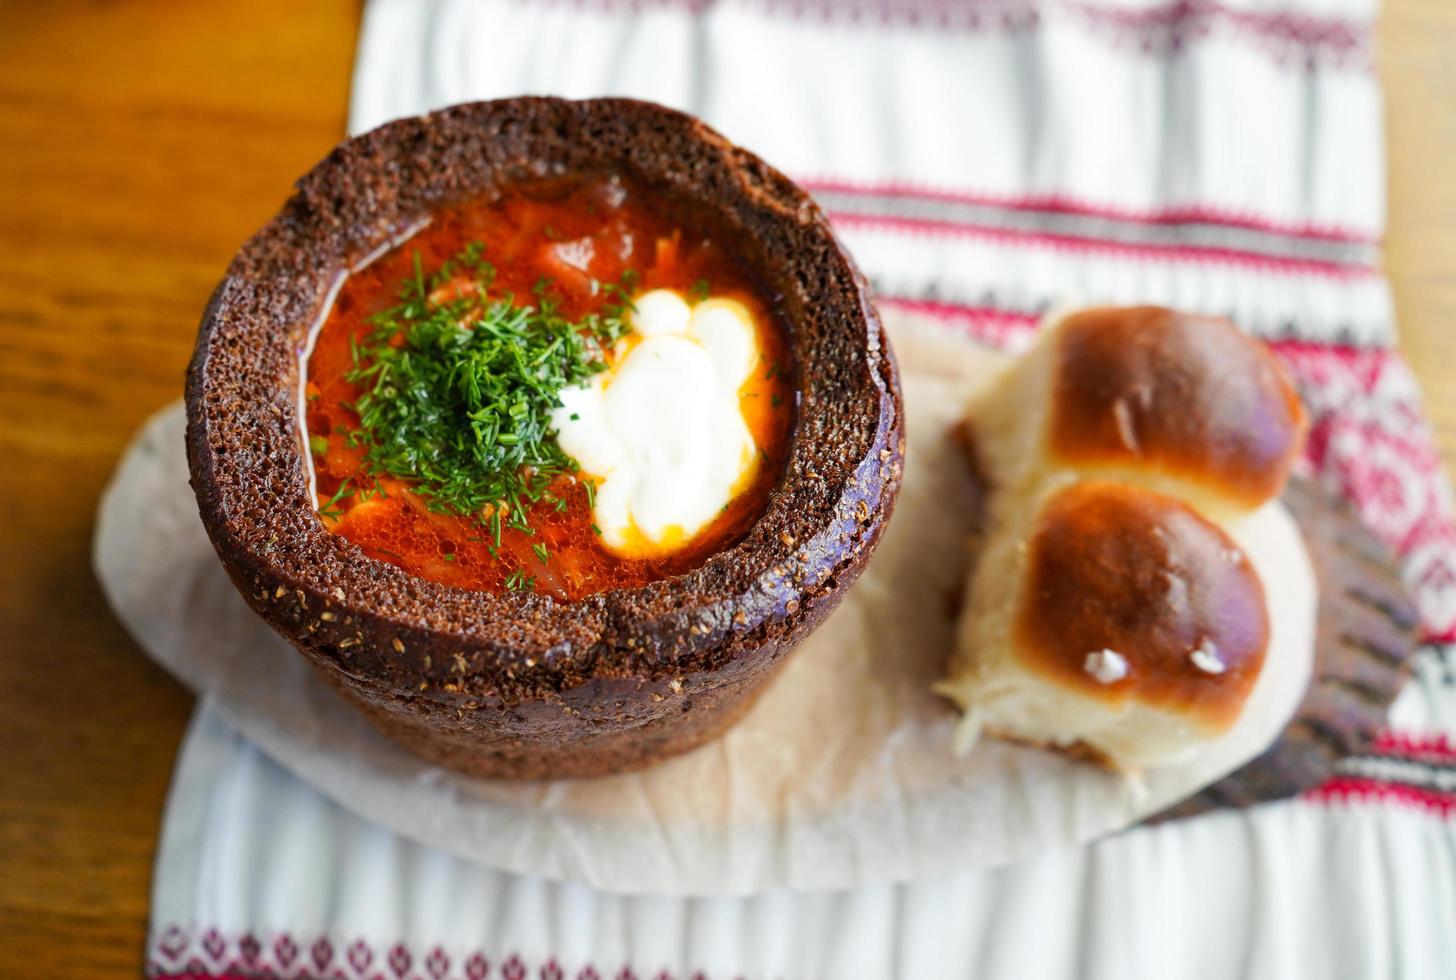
(1181, 402)
(1117, 603)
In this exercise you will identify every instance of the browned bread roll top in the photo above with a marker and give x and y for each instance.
(1186, 396)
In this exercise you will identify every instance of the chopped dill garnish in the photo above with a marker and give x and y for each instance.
(541, 552)
(319, 445)
(622, 291)
(458, 386)
(369, 493)
(331, 508)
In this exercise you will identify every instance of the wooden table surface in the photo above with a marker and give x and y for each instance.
(140, 143)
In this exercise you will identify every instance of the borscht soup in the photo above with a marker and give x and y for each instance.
(566, 389)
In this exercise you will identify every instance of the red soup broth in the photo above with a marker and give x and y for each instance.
(577, 235)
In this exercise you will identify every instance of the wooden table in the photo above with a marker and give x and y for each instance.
(140, 143)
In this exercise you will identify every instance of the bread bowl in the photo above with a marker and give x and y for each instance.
(524, 684)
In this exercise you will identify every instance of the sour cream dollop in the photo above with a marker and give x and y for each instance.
(662, 430)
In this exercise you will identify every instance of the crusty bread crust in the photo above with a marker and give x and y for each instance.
(522, 685)
(1189, 396)
(1117, 566)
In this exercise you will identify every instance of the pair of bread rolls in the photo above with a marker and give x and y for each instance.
(1113, 608)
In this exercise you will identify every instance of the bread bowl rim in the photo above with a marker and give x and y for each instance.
(376, 622)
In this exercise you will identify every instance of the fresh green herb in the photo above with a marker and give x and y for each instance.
(467, 260)
(622, 292)
(458, 389)
(699, 291)
(331, 508)
(369, 493)
(596, 530)
(541, 552)
(319, 445)
(590, 487)
(518, 581)
(775, 401)
(419, 282)
(773, 369)
(450, 556)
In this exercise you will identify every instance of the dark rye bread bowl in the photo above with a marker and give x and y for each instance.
(518, 684)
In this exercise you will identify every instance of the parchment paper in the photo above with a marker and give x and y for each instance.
(841, 775)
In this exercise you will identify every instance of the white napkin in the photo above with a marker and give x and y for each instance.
(981, 161)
